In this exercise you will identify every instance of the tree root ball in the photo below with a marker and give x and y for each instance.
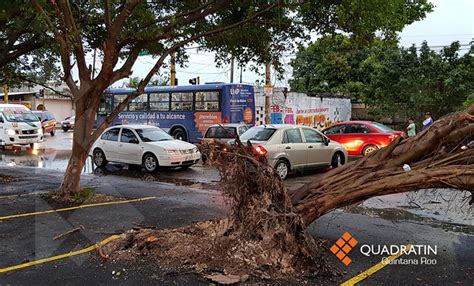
(211, 247)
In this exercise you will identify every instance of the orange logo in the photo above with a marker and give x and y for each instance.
(343, 246)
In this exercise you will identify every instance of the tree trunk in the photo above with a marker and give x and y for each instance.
(435, 157)
(83, 138)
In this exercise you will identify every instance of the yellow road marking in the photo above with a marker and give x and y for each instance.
(61, 256)
(75, 208)
(374, 268)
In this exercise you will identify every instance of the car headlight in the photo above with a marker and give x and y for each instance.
(10, 132)
(40, 131)
(195, 150)
(172, 152)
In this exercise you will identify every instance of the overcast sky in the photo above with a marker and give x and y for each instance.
(451, 20)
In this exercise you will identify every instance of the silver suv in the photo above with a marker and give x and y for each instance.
(291, 147)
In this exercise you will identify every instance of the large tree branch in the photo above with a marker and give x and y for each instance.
(63, 47)
(460, 177)
(113, 32)
(141, 86)
(74, 37)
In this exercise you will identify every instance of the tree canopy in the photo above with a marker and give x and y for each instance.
(26, 51)
(392, 80)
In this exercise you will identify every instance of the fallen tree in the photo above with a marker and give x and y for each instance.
(264, 234)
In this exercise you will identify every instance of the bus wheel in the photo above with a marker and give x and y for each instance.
(179, 134)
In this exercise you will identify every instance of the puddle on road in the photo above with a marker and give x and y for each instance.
(396, 214)
(47, 158)
(163, 176)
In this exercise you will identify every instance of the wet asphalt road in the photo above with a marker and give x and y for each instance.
(429, 217)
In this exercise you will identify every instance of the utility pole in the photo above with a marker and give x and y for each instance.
(232, 70)
(241, 73)
(268, 87)
(173, 69)
(5, 93)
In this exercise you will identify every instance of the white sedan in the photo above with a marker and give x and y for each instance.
(144, 145)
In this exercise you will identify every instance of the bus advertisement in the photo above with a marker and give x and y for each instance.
(183, 111)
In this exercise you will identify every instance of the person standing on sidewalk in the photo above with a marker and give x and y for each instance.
(411, 129)
(428, 121)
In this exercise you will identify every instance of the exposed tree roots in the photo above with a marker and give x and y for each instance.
(265, 236)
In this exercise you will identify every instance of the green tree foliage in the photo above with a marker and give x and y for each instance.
(393, 81)
(409, 82)
(26, 53)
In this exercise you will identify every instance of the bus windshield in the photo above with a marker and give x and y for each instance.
(153, 135)
(14, 114)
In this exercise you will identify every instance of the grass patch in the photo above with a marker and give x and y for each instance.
(84, 194)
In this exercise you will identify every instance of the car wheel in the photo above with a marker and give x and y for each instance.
(282, 168)
(179, 134)
(150, 163)
(99, 158)
(369, 149)
(337, 160)
(65, 129)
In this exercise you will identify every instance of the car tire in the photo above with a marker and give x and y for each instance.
(150, 163)
(282, 168)
(65, 129)
(369, 149)
(337, 160)
(179, 134)
(99, 158)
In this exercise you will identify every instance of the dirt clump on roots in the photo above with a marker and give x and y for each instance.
(262, 237)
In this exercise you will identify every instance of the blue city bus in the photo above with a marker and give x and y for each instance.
(183, 111)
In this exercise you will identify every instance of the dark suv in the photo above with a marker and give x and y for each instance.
(48, 122)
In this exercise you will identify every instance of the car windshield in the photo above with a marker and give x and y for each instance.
(17, 114)
(153, 135)
(257, 134)
(221, 132)
(383, 128)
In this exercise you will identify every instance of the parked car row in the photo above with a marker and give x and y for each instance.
(287, 147)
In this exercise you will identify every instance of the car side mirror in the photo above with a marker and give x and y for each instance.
(134, 141)
(326, 141)
(1, 120)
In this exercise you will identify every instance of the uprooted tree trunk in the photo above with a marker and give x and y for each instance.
(435, 157)
(264, 234)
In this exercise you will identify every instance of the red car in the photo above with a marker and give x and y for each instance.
(361, 137)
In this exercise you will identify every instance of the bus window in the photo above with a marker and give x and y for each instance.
(106, 104)
(182, 101)
(207, 101)
(139, 104)
(118, 98)
(160, 101)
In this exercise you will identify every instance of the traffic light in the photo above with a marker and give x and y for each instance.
(193, 81)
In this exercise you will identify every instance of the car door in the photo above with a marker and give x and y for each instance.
(294, 147)
(109, 144)
(318, 152)
(355, 137)
(335, 132)
(129, 148)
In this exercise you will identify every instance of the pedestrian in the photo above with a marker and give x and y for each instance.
(428, 121)
(411, 128)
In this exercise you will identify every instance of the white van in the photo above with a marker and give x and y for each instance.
(19, 126)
